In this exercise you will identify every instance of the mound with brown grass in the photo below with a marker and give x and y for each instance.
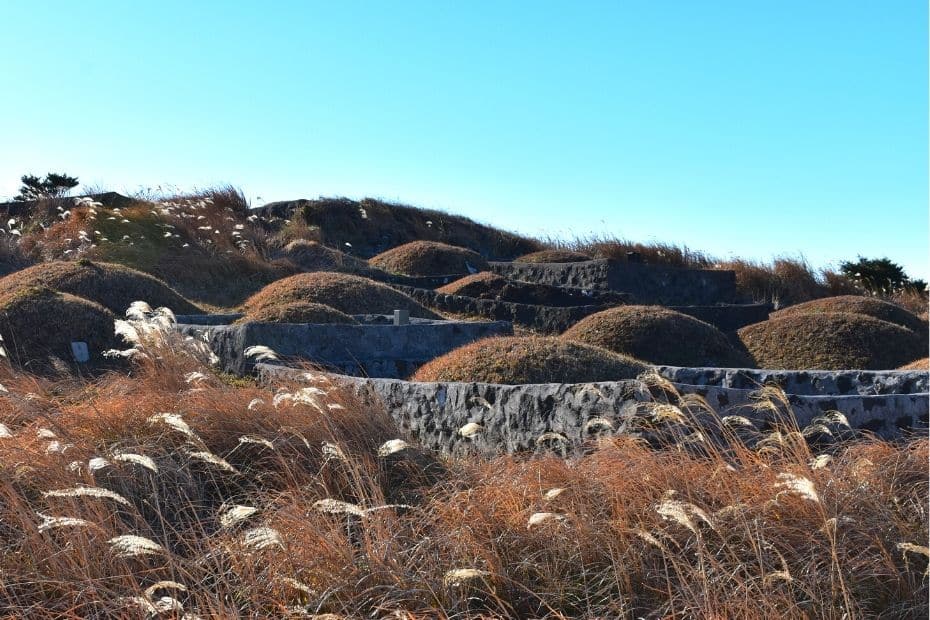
(487, 285)
(529, 359)
(344, 292)
(553, 256)
(855, 304)
(921, 364)
(429, 258)
(371, 226)
(831, 341)
(297, 312)
(38, 326)
(483, 285)
(657, 335)
(314, 256)
(112, 286)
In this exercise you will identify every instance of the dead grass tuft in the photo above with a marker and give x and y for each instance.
(657, 335)
(831, 341)
(517, 360)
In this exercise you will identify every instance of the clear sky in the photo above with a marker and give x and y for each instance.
(746, 127)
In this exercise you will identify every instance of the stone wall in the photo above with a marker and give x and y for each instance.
(648, 284)
(516, 418)
(373, 350)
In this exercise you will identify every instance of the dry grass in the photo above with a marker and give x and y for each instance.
(553, 256)
(297, 312)
(429, 258)
(659, 336)
(344, 292)
(529, 359)
(615, 248)
(921, 364)
(173, 492)
(856, 304)
(834, 341)
(314, 256)
(113, 286)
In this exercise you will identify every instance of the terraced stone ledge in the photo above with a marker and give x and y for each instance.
(525, 418)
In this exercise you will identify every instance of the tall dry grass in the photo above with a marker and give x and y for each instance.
(170, 491)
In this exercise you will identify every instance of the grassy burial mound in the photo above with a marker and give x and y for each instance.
(657, 335)
(297, 312)
(529, 359)
(831, 341)
(373, 226)
(314, 256)
(344, 292)
(553, 256)
(921, 364)
(855, 304)
(487, 285)
(38, 326)
(429, 258)
(112, 286)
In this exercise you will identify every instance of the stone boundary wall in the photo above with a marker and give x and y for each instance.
(516, 418)
(648, 284)
(373, 350)
(805, 382)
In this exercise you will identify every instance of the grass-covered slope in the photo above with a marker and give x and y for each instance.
(429, 258)
(296, 312)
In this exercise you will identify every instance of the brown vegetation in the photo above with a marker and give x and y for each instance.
(314, 256)
(921, 364)
(553, 256)
(856, 304)
(837, 341)
(113, 286)
(429, 258)
(38, 326)
(344, 292)
(172, 492)
(297, 312)
(657, 335)
(528, 359)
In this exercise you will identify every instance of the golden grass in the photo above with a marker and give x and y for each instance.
(266, 506)
(921, 364)
(429, 258)
(831, 341)
(529, 359)
(297, 312)
(659, 336)
(553, 256)
(857, 304)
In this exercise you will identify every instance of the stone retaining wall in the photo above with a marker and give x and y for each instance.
(648, 284)
(517, 418)
(373, 350)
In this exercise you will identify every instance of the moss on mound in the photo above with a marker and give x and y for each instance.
(921, 364)
(553, 256)
(429, 258)
(38, 326)
(831, 341)
(855, 304)
(657, 335)
(314, 256)
(297, 312)
(114, 287)
(516, 360)
(342, 291)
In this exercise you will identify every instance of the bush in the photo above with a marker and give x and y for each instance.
(429, 258)
(657, 335)
(529, 359)
(38, 326)
(112, 286)
(553, 256)
(831, 341)
(868, 306)
(297, 312)
(344, 292)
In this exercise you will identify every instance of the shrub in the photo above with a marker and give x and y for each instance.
(529, 359)
(553, 256)
(831, 341)
(868, 306)
(113, 286)
(297, 312)
(429, 258)
(657, 335)
(344, 292)
(39, 324)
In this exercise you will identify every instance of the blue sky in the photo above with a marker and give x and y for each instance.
(741, 128)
